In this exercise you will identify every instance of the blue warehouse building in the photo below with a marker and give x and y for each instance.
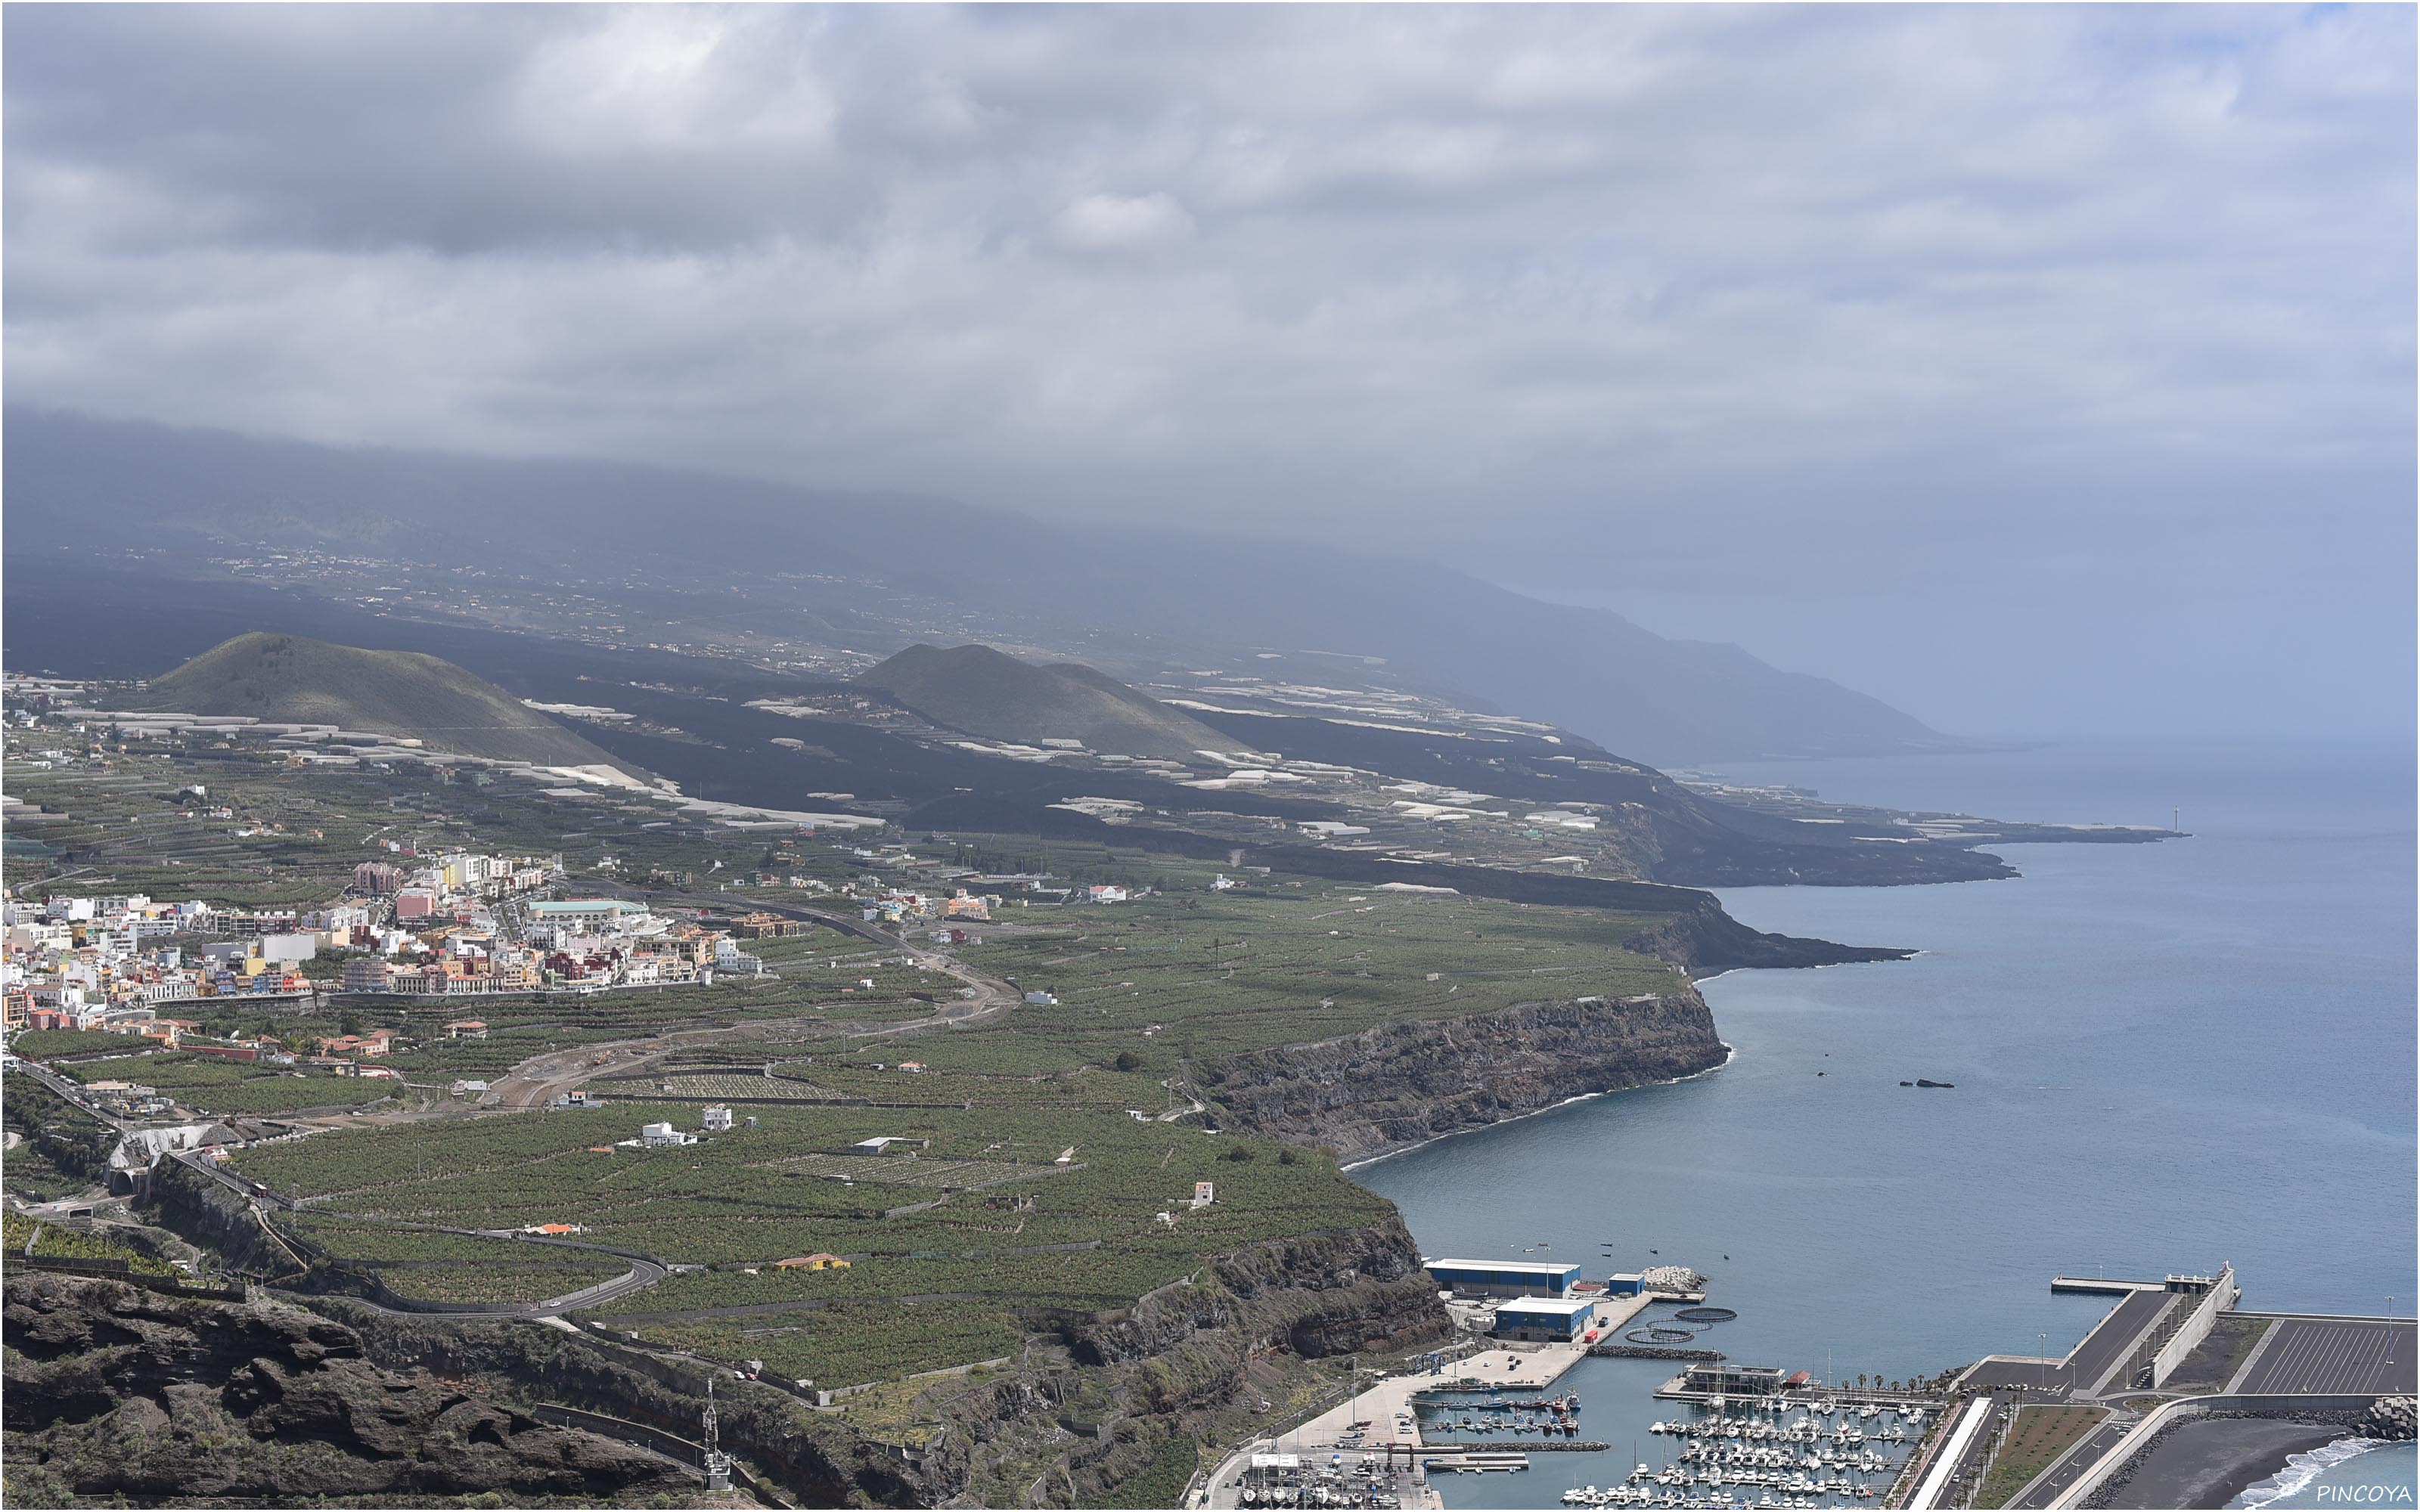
(1504, 1279)
(1545, 1320)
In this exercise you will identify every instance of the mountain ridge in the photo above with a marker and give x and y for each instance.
(293, 678)
(75, 479)
(986, 692)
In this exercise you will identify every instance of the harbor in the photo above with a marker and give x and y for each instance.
(1743, 1437)
(1736, 1436)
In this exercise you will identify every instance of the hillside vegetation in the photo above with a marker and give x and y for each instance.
(986, 693)
(290, 678)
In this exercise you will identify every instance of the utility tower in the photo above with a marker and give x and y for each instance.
(718, 1464)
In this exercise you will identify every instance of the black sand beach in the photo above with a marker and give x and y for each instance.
(2207, 1463)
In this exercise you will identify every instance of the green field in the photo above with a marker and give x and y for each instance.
(208, 1083)
(65, 1151)
(998, 1229)
(744, 1196)
(50, 1240)
(958, 1250)
(850, 1343)
(458, 1268)
(1189, 976)
(47, 1044)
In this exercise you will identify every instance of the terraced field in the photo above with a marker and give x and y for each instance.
(717, 1087)
(210, 1085)
(907, 1170)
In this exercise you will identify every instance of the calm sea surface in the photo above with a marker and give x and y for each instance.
(2167, 1056)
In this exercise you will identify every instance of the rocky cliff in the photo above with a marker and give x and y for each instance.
(1108, 1409)
(1142, 1390)
(1400, 1085)
(117, 1392)
(1702, 940)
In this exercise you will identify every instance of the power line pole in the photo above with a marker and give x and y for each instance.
(718, 1464)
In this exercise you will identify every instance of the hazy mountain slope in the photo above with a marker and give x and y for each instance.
(90, 484)
(287, 677)
(1588, 670)
(986, 693)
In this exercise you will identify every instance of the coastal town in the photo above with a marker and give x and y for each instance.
(766, 1085)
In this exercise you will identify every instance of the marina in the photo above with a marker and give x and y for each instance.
(1740, 1437)
(1779, 1451)
(1716, 1168)
(1743, 1436)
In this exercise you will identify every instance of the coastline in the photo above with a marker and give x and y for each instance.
(1729, 1050)
(2301, 1468)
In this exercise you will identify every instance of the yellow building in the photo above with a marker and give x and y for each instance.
(812, 1262)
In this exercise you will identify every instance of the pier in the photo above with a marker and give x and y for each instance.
(2064, 1284)
(1651, 1352)
(2155, 1325)
(1577, 1446)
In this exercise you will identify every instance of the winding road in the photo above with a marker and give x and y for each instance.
(541, 1078)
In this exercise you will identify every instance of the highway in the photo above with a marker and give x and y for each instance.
(542, 1078)
(992, 997)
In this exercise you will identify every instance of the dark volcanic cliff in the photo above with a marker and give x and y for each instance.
(118, 1391)
(1701, 939)
(1400, 1085)
(1105, 1408)
(1146, 1385)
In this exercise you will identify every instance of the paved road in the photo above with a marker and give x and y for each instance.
(2082, 1457)
(2352, 1356)
(644, 1273)
(992, 996)
(1969, 1472)
(2107, 1348)
(73, 1091)
(540, 1079)
(2102, 1349)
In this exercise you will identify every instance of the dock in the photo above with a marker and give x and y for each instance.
(1466, 1462)
(2101, 1285)
(1575, 1446)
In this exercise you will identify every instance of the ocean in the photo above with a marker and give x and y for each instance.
(2364, 1472)
(2165, 1058)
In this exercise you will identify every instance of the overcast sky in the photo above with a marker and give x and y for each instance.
(2038, 370)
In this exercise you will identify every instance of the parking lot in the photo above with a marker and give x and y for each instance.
(1338, 1478)
(2334, 1356)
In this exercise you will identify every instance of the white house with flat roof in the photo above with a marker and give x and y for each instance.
(578, 913)
(1545, 1320)
(1505, 1278)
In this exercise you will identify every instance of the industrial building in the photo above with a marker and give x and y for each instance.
(1736, 1380)
(586, 912)
(1545, 1320)
(1626, 1285)
(1504, 1279)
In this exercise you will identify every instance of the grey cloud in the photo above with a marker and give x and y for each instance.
(1774, 299)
